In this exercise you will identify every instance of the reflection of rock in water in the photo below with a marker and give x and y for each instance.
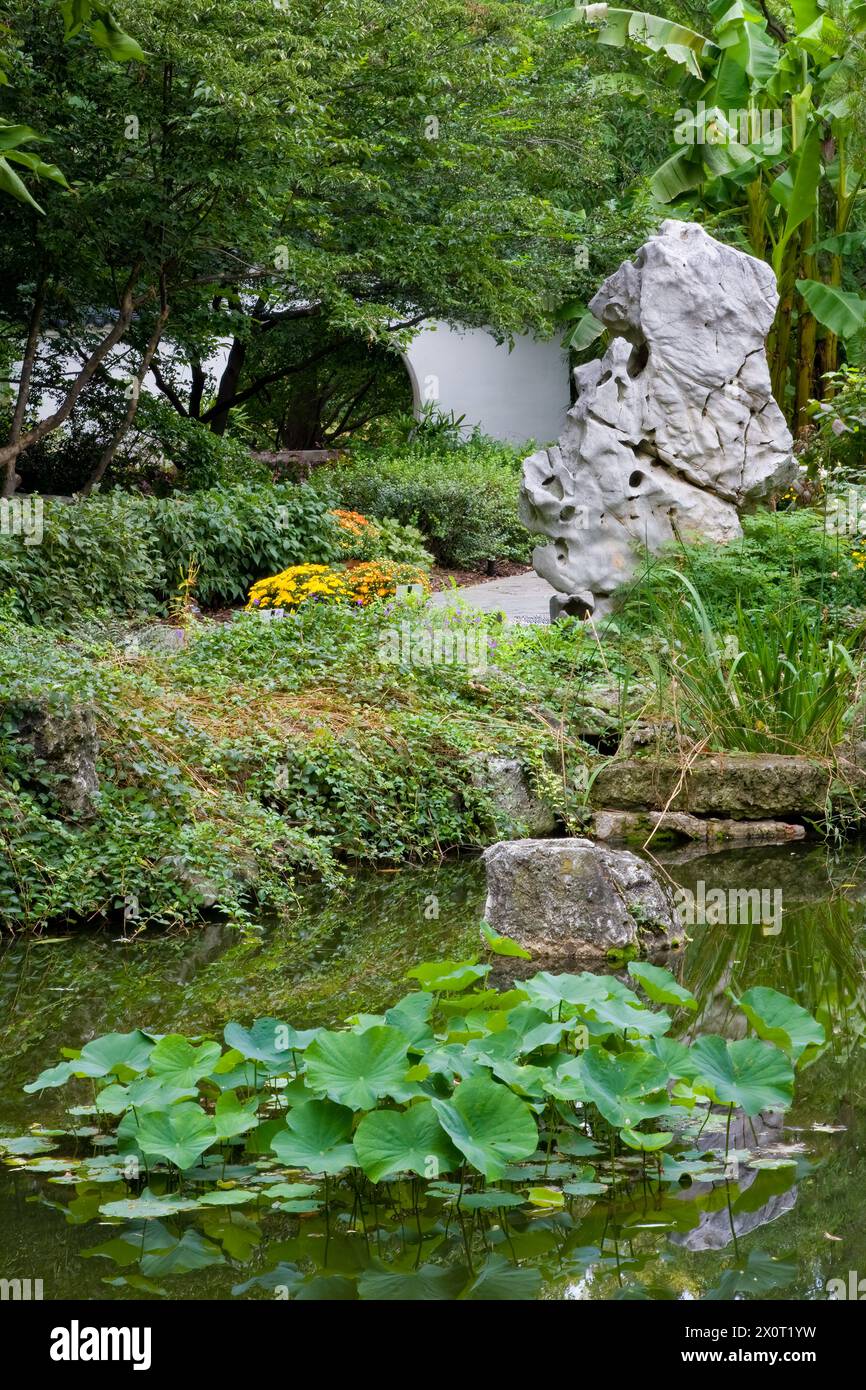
(714, 1229)
(803, 875)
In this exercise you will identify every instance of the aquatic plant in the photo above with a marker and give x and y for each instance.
(481, 1100)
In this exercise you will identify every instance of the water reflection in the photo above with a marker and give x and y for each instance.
(779, 1225)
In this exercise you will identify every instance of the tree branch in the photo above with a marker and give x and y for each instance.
(11, 451)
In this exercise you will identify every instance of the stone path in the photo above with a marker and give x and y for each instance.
(524, 598)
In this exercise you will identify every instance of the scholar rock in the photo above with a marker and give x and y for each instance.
(674, 431)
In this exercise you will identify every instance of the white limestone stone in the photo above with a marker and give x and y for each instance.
(673, 431)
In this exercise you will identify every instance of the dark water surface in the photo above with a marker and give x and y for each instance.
(778, 1230)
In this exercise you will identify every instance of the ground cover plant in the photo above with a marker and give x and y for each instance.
(215, 772)
(445, 1134)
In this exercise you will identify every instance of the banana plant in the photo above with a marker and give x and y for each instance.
(765, 134)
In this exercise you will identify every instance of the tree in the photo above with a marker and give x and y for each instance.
(768, 139)
(351, 166)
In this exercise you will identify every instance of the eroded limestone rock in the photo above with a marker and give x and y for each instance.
(674, 430)
(517, 808)
(63, 746)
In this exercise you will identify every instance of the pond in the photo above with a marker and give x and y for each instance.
(779, 1226)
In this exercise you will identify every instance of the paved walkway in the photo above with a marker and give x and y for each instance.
(524, 598)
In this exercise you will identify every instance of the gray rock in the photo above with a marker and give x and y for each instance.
(569, 902)
(674, 429)
(518, 811)
(639, 825)
(733, 786)
(65, 748)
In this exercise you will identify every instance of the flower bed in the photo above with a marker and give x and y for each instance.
(360, 584)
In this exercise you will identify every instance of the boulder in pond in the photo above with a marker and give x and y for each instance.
(571, 902)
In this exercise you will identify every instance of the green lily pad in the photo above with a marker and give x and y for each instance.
(660, 986)
(750, 1074)
(317, 1137)
(233, 1117)
(177, 1062)
(500, 1280)
(490, 1125)
(357, 1069)
(227, 1197)
(27, 1144)
(404, 1141)
(179, 1135)
(503, 945)
(448, 976)
(777, 1019)
(430, 1283)
(626, 1089)
(647, 1143)
(147, 1206)
(268, 1041)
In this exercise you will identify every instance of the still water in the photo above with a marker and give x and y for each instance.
(782, 1229)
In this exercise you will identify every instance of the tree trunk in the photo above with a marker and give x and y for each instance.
(198, 381)
(10, 452)
(780, 336)
(807, 337)
(218, 417)
(11, 480)
(122, 430)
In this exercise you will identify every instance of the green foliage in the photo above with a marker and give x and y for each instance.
(839, 440)
(102, 553)
(765, 682)
(434, 184)
(772, 184)
(784, 558)
(462, 499)
(393, 541)
(237, 535)
(122, 554)
(463, 1086)
(259, 748)
(198, 458)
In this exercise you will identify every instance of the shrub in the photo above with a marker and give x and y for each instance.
(100, 554)
(463, 500)
(840, 422)
(199, 458)
(237, 534)
(361, 538)
(123, 554)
